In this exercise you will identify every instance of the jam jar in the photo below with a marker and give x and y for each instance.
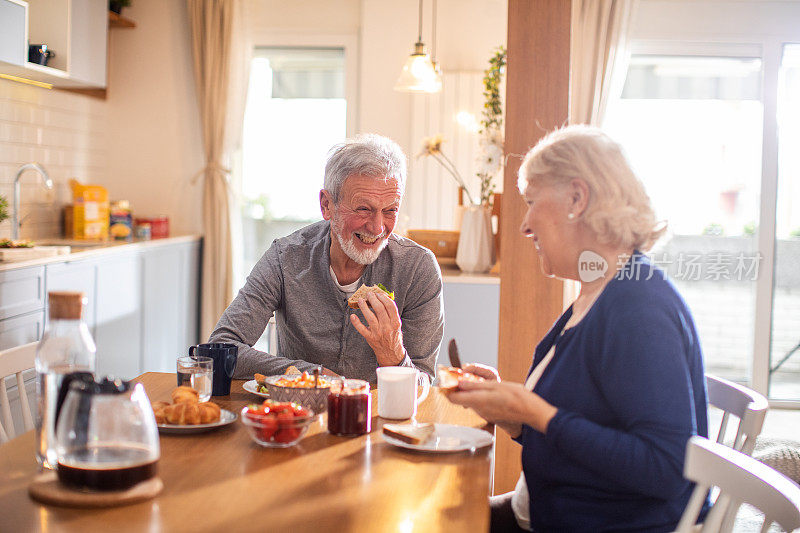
(349, 411)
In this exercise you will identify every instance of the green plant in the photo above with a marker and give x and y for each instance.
(492, 125)
(3, 208)
(795, 233)
(749, 229)
(714, 229)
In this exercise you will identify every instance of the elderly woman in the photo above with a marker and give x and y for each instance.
(617, 386)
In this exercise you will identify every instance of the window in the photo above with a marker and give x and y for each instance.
(785, 339)
(296, 110)
(692, 129)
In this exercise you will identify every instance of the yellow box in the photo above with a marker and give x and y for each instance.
(89, 212)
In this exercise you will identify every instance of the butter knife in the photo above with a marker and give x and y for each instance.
(452, 352)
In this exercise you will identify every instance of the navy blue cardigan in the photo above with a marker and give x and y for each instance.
(629, 385)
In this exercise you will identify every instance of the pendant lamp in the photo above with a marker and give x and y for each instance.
(420, 74)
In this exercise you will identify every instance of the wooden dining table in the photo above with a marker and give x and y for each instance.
(223, 481)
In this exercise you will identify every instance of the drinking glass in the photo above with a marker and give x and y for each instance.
(196, 372)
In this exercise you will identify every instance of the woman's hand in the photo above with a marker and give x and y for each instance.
(503, 403)
(484, 371)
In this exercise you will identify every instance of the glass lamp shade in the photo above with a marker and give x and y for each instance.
(419, 74)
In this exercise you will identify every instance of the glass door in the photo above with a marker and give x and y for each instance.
(691, 126)
(784, 363)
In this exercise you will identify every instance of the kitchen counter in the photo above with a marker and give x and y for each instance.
(89, 249)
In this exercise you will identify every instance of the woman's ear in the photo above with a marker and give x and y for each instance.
(578, 196)
(326, 204)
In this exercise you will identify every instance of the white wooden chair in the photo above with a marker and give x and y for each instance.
(750, 408)
(13, 362)
(747, 405)
(741, 479)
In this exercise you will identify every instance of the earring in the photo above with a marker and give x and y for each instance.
(571, 216)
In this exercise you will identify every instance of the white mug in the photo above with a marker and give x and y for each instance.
(397, 391)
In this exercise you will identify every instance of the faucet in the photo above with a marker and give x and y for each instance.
(15, 222)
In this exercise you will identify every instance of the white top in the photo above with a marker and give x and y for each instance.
(350, 289)
(520, 501)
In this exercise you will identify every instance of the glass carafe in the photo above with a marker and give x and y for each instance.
(107, 438)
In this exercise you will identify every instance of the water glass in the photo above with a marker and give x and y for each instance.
(197, 373)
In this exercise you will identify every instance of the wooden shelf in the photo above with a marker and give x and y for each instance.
(117, 21)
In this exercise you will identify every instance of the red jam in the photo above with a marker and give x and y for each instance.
(349, 410)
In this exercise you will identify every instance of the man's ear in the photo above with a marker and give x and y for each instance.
(326, 204)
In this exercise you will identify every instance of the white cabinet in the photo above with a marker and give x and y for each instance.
(21, 291)
(170, 305)
(118, 327)
(471, 316)
(13, 23)
(76, 30)
(75, 276)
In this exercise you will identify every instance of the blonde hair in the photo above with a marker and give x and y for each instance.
(618, 208)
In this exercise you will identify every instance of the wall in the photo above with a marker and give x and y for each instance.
(154, 137)
(65, 133)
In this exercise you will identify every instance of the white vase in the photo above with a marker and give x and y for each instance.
(476, 242)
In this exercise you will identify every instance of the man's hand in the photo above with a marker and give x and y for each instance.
(383, 334)
(504, 402)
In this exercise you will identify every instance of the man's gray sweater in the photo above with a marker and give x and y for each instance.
(293, 280)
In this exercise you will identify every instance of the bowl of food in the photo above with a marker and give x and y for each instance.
(276, 424)
(303, 389)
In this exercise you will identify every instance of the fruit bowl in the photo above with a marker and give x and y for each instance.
(277, 430)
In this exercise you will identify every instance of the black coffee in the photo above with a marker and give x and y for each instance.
(106, 468)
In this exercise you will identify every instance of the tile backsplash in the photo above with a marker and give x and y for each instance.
(66, 134)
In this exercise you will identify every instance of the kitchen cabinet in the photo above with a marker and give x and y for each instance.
(170, 304)
(76, 30)
(75, 276)
(118, 327)
(21, 291)
(471, 316)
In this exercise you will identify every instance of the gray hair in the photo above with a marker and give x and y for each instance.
(619, 210)
(367, 155)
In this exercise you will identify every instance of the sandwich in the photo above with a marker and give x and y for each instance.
(364, 290)
(450, 376)
(410, 433)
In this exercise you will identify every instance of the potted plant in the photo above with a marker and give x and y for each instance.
(117, 5)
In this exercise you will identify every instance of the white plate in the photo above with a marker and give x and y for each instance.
(252, 387)
(448, 438)
(225, 417)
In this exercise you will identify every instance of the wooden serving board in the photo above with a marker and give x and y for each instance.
(35, 252)
(46, 488)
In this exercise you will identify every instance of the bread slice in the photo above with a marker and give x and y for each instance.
(363, 291)
(450, 376)
(410, 433)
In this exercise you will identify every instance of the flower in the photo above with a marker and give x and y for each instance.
(432, 145)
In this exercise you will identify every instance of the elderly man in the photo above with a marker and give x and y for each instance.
(307, 277)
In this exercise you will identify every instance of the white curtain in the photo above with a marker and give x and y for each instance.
(220, 52)
(599, 56)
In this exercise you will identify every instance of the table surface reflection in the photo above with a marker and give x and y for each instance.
(221, 480)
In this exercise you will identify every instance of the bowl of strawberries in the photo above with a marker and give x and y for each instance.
(277, 424)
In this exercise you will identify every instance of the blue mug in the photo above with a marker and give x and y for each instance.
(224, 355)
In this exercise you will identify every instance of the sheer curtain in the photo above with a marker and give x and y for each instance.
(599, 55)
(220, 53)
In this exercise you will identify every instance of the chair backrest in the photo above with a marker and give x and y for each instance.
(13, 362)
(747, 405)
(741, 479)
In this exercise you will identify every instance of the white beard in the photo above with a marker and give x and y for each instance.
(362, 257)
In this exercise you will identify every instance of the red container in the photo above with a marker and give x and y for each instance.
(159, 225)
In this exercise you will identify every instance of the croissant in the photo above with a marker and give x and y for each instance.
(183, 414)
(184, 394)
(209, 412)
